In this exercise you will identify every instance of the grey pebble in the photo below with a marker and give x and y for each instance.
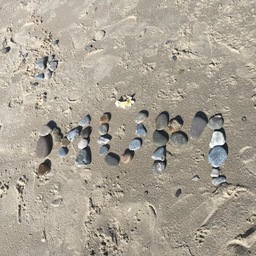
(62, 152)
(83, 143)
(47, 74)
(197, 127)
(218, 181)
(52, 65)
(84, 157)
(217, 156)
(112, 159)
(162, 121)
(216, 122)
(178, 192)
(103, 129)
(86, 132)
(85, 121)
(104, 139)
(141, 116)
(135, 144)
(140, 130)
(179, 138)
(41, 63)
(73, 134)
(104, 149)
(44, 146)
(217, 139)
(56, 135)
(45, 130)
(160, 138)
(215, 173)
(158, 167)
(39, 76)
(5, 50)
(88, 48)
(159, 154)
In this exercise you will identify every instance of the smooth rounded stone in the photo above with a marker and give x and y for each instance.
(112, 159)
(73, 134)
(197, 127)
(105, 118)
(45, 130)
(140, 130)
(86, 132)
(160, 138)
(47, 74)
(104, 149)
(103, 129)
(56, 135)
(44, 146)
(215, 173)
(218, 139)
(83, 143)
(218, 180)
(104, 139)
(141, 116)
(5, 50)
(85, 121)
(162, 121)
(217, 156)
(44, 167)
(178, 192)
(62, 152)
(158, 167)
(41, 63)
(39, 76)
(127, 156)
(216, 122)
(159, 154)
(52, 65)
(135, 144)
(99, 35)
(65, 141)
(174, 125)
(84, 157)
(179, 138)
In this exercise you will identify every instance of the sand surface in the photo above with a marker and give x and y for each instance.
(108, 49)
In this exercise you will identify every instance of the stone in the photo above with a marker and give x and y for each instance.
(104, 149)
(141, 116)
(174, 125)
(45, 130)
(99, 35)
(52, 65)
(218, 139)
(105, 118)
(140, 130)
(135, 144)
(104, 139)
(179, 138)
(62, 152)
(74, 133)
(47, 74)
(217, 156)
(85, 121)
(218, 180)
(65, 141)
(162, 121)
(178, 192)
(86, 132)
(5, 50)
(103, 129)
(195, 178)
(44, 168)
(83, 143)
(84, 157)
(160, 138)
(112, 159)
(159, 154)
(127, 156)
(216, 122)
(39, 76)
(41, 63)
(158, 167)
(215, 173)
(44, 146)
(197, 127)
(56, 135)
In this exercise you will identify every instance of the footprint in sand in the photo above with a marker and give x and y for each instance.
(248, 157)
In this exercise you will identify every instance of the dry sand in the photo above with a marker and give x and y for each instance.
(126, 210)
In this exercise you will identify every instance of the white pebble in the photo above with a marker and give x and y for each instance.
(215, 173)
(218, 139)
(219, 180)
(83, 143)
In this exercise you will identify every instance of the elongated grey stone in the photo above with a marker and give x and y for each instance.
(140, 130)
(135, 144)
(47, 74)
(85, 121)
(84, 157)
(104, 149)
(162, 121)
(218, 139)
(218, 180)
(86, 132)
(44, 146)
(217, 156)
(197, 127)
(39, 76)
(73, 134)
(104, 139)
(159, 154)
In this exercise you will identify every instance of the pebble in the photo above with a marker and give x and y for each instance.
(197, 127)
(86, 132)
(84, 157)
(56, 135)
(62, 152)
(103, 129)
(159, 154)
(85, 121)
(103, 140)
(141, 116)
(74, 133)
(158, 167)
(218, 139)
(45, 130)
(135, 144)
(127, 156)
(215, 173)
(5, 50)
(218, 181)
(112, 159)
(99, 35)
(105, 118)
(47, 74)
(41, 63)
(160, 138)
(174, 125)
(83, 143)
(39, 76)
(104, 149)
(44, 168)
(162, 121)
(195, 178)
(52, 65)
(216, 122)
(179, 138)
(217, 156)
(44, 146)
(140, 130)
(178, 192)
(65, 141)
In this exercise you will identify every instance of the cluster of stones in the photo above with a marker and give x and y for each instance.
(48, 64)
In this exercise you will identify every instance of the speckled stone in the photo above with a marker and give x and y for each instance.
(160, 138)
(218, 180)
(112, 159)
(217, 156)
(135, 144)
(216, 122)
(197, 127)
(44, 146)
(84, 157)
(104, 149)
(103, 129)
(162, 121)
(179, 138)
(158, 167)
(159, 154)
(85, 121)
(62, 152)
(45, 130)
(217, 139)
(141, 116)
(140, 130)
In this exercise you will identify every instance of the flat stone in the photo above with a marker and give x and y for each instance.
(65, 141)
(73, 134)
(127, 156)
(99, 35)
(39, 76)
(103, 129)
(140, 130)
(197, 127)
(135, 144)
(5, 50)
(112, 159)
(86, 132)
(218, 139)
(217, 156)
(160, 138)
(104, 139)
(44, 168)
(162, 121)
(141, 116)
(195, 178)
(52, 65)
(41, 63)
(84, 157)
(47, 74)
(62, 152)
(216, 122)
(105, 118)
(215, 173)
(45, 130)
(83, 143)
(44, 146)
(218, 181)
(174, 125)
(104, 149)
(158, 167)
(159, 154)
(56, 135)
(85, 121)
(179, 138)
(178, 192)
